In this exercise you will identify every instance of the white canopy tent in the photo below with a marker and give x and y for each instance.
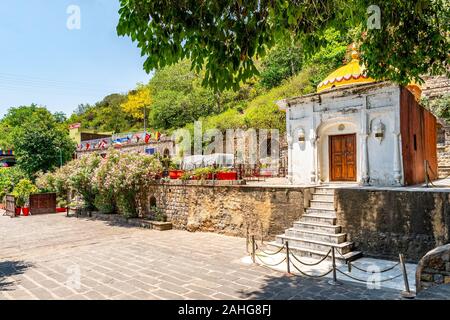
(199, 161)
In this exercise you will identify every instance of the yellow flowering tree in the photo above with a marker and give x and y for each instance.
(136, 101)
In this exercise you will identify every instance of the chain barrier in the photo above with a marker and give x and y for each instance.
(312, 276)
(365, 280)
(271, 253)
(352, 265)
(382, 271)
(311, 264)
(334, 269)
(268, 264)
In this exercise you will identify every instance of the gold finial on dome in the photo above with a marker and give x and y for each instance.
(355, 53)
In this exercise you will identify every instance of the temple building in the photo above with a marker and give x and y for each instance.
(357, 130)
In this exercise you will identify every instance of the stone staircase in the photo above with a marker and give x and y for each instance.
(317, 230)
(443, 172)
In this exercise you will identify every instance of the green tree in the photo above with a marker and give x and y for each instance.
(37, 137)
(225, 37)
(282, 62)
(440, 106)
(105, 115)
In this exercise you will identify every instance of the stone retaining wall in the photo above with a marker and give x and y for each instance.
(384, 223)
(434, 268)
(231, 209)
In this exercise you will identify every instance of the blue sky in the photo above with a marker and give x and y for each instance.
(43, 62)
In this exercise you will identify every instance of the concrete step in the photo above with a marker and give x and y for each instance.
(323, 197)
(324, 190)
(316, 254)
(443, 171)
(344, 247)
(325, 212)
(335, 238)
(317, 218)
(316, 204)
(324, 228)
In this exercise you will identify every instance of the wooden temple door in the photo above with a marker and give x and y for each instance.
(342, 149)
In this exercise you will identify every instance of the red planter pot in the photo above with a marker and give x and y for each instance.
(227, 175)
(18, 211)
(60, 210)
(26, 211)
(175, 174)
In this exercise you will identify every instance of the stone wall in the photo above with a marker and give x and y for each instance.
(435, 87)
(384, 223)
(231, 209)
(443, 153)
(434, 268)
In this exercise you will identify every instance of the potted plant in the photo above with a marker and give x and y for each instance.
(226, 174)
(203, 173)
(22, 192)
(174, 172)
(186, 176)
(265, 170)
(61, 206)
(19, 204)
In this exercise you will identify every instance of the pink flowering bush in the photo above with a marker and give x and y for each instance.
(130, 178)
(117, 182)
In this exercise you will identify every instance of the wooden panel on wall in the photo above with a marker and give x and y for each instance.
(43, 203)
(418, 132)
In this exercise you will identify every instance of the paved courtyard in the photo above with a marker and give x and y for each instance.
(43, 257)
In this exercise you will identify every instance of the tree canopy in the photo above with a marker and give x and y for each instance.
(136, 101)
(38, 138)
(224, 37)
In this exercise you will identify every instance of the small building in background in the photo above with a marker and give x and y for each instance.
(78, 134)
(357, 130)
(7, 159)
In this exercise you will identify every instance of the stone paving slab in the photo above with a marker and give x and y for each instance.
(43, 257)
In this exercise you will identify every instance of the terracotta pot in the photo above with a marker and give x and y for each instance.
(175, 174)
(60, 210)
(26, 211)
(227, 175)
(18, 211)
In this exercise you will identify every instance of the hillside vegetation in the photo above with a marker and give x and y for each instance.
(175, 98)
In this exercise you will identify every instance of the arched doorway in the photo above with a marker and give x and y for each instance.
(337, 151)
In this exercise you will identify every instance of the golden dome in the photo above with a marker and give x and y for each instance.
(349, 74)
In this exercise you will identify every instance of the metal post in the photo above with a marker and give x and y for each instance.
(288, 261)
(407, 293)
(253, 249)
(349, 265)
(246, 240)
(333, 282)
(145, 120)
(262, 234)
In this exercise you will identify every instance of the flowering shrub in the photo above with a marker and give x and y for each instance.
(130, 178)
(118, 181)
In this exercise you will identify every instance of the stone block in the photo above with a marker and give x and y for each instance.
(438, 278)
(162, 226)
(426, 277)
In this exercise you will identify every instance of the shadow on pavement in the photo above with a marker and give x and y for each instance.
(11, 268)
(302, 288)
